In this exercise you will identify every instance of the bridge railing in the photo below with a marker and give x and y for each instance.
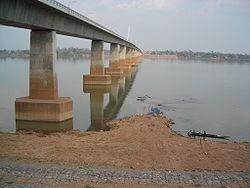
(68, 10)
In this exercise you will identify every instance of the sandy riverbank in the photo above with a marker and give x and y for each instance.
(138, 142)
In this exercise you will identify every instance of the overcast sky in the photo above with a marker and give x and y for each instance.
(198, 25)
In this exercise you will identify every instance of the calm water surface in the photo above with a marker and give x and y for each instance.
(214, 97)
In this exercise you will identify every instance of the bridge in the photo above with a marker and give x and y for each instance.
(45, 19)
(99, 114)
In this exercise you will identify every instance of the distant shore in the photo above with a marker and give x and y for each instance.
(137, 142)
(165, 57)
(190, 55)
(78, 53)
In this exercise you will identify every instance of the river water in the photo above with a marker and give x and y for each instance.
(197, 95)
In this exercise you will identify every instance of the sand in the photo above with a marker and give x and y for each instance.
(137, 142)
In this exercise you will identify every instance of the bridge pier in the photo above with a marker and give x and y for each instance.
(129, 60)
(43, 103)
(44, 127)
(113, 68)
(135, 57)
(122, 59)
(97, 73)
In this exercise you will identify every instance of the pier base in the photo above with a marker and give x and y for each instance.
(125, 68)
(113, 71)
(55, 110)
(96, 79)
(44, 127)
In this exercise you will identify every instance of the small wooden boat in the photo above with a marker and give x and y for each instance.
(193, 133)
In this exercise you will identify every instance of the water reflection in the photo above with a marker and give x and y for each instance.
(96, 104)
(118, 90)
(44, 127)
(197, 95)
(124, 85)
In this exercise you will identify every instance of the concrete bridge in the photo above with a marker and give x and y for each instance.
(99, 114)
(46, 18)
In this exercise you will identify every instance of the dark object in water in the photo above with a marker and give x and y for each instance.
(143, 98)
(155, 111)
(193, 133)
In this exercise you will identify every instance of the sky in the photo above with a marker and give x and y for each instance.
(197, 25)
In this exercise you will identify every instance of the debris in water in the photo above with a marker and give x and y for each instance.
(155, 111)
(143, 98)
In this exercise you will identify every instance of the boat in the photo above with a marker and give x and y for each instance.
(193, 133)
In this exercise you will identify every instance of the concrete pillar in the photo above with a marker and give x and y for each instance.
(122, 60)
(135, 56)
(113, 68)
(43, 80)
(43, 103)
(114, 55)
(128, 56)
(128, 53)
(97, 58)
(122, 53)
(97, 73)
(139, 55)
(133, 53)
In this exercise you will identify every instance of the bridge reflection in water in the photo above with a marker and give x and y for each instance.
(118, 90)
(44, 127)
(99, 115)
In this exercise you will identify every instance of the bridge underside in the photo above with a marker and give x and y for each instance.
(45, 21)
(36, 15)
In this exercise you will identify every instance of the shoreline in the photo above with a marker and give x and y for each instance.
(136, 142)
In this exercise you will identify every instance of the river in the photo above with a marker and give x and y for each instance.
(197, 95)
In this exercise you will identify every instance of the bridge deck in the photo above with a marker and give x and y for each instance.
(52, 15)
